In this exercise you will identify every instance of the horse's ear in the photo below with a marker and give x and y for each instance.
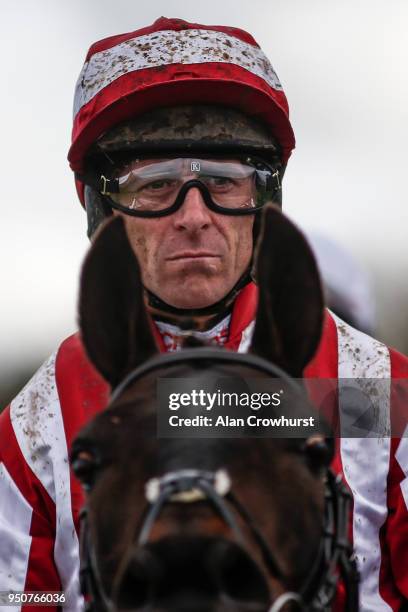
(291, 307)
(114, 324)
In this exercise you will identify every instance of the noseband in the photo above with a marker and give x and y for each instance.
(335, 557)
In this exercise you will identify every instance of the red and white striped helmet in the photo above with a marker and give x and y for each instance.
(174, 62)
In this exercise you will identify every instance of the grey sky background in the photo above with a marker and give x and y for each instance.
(343, 66)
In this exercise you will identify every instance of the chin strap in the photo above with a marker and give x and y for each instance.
(219, 308)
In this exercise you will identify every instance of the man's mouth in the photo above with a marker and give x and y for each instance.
(183, 255)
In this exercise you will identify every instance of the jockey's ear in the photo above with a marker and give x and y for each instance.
(291, 307)
(115, 328)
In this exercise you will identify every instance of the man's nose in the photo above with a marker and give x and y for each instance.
(193, 215)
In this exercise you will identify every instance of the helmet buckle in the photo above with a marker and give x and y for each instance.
(104, 182)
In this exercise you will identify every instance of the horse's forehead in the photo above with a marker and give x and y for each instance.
(192, 370)
(139, 400)
(135, 410)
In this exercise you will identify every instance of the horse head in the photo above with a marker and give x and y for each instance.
(199, 524)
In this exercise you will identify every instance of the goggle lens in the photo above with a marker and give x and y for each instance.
(153, 186)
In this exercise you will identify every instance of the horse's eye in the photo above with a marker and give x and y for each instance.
(319, 452)
(84, 465)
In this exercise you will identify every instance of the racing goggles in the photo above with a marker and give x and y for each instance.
(158, 187)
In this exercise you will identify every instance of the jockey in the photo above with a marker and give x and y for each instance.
(173, 99)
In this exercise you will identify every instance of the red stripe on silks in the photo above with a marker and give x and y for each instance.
(41, 571)
(82, 387)
(243, 313)
(394, 533)
(399, 364)
(210, 83)
(393, 578)
(89, 394)
(164, 23)
(399, 393)
(324, 364)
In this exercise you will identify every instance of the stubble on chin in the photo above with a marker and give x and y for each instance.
(198, 290)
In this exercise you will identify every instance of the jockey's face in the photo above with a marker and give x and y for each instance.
(193, 257)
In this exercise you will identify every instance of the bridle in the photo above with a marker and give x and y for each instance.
(335, 557)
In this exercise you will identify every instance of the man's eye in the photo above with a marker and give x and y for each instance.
(158, 186)
(219, 182)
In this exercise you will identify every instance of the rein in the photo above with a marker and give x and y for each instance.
(335, 556)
